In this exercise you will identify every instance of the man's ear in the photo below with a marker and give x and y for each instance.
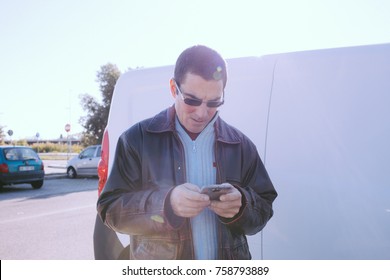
(172, 87)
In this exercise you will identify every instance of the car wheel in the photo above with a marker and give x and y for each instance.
(37, 184)
(71, 173)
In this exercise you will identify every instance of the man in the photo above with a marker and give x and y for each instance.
(155, 191)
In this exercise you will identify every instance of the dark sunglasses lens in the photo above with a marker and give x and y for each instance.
(195, 102)
(192, 102)
(214, 104)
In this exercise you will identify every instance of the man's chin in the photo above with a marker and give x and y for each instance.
(197, 128)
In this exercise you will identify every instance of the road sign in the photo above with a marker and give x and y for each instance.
(67, 127)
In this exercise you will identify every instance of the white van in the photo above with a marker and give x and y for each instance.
(321, 122)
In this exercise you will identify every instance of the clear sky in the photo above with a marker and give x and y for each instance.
(50, 51)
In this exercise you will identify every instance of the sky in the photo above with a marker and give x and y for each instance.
(51, 51)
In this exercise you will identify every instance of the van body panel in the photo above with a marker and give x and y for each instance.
(328, 155)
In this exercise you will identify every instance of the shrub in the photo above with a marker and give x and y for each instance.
(56, 148)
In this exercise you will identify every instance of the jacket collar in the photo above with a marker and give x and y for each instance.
(165, 122)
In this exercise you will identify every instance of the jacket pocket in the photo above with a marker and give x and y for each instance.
(238, 249)
(241, 252)
(144, 248)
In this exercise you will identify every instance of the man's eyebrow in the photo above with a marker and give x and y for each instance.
(191, 95)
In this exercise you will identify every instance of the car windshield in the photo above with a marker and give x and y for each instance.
(20, 154)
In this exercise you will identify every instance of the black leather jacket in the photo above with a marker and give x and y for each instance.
(149, 162)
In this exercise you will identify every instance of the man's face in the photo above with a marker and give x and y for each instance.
(196, 118)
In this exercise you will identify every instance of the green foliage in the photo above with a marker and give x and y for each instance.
(21, 143)
(55, 148)
(49, 147)
(107, 78)
(96, 119)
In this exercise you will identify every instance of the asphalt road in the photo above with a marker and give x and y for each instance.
(53, 167)
(55, 222)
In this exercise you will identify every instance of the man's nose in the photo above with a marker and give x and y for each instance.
(202, 110)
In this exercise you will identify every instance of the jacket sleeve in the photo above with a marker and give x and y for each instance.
(127, 205)
(257, 190)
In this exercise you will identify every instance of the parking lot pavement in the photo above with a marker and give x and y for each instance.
(55, 222)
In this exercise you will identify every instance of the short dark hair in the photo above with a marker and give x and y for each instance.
(202, 61)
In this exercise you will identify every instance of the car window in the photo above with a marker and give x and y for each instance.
(88, 153)
(20, 154)
(99, 151)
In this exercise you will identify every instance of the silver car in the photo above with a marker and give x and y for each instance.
(85, 164)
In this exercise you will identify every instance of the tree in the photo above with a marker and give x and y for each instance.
(97, 113)
(2, 134)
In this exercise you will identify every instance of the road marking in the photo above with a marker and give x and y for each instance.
(48, 213)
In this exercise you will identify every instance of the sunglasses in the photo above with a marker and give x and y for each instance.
(197, 102)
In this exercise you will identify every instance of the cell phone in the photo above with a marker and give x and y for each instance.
(215, 191)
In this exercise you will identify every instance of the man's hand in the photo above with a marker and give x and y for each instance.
(187, 201)
(228, 205)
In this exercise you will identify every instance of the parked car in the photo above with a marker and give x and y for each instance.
(84, 164)
(320, 121)
(20, 165)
